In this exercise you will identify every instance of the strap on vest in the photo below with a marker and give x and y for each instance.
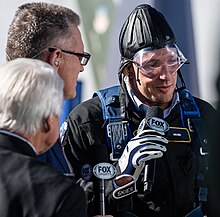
(197, 212)
(118, 130)
(190, 116)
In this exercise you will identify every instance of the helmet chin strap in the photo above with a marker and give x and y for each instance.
(133, 82)
(183, 85)
(138, 79)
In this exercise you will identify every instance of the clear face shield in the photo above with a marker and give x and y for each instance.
(151, 61)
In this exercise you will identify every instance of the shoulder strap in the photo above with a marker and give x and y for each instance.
(117, 128)
(108, 97)
(188, 108)
(191, 117)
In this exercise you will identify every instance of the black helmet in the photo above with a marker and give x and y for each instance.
(144, 27)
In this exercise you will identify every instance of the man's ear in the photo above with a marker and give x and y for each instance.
(55, 58)
(47, 124)
(128, 70)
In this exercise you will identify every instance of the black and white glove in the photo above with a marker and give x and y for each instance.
(146, 145)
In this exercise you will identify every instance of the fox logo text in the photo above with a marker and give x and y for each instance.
(104, 171)
(157, 124)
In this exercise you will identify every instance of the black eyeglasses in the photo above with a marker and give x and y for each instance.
(83, 57)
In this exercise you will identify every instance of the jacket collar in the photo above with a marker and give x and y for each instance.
(16, 143)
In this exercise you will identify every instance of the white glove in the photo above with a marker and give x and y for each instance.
(146, 145)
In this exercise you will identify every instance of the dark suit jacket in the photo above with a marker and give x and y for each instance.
(30, 188)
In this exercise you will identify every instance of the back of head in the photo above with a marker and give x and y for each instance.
(37, 26)
(144, 27)
(30, 91)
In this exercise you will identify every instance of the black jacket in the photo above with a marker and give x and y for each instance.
(30, 188)
(175, 187)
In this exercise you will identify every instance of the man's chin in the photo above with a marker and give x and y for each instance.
(161, 101)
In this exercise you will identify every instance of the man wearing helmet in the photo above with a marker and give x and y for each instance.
(117, 118)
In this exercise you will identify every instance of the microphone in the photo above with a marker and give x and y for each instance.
(102, 170)
(153, 120)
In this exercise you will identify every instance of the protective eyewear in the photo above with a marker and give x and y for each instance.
(151, 61)
(83, 57)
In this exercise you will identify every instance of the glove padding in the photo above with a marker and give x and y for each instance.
(146, 145)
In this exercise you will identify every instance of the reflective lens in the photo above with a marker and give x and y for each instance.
(84, 58)
(151, 61)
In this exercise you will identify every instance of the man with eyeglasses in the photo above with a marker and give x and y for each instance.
(50, 33)
(147, 117)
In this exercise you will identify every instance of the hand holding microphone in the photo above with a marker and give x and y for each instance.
(153, 120)
(146, 146)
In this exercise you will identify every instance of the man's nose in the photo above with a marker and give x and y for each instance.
(165, 72)
(82, 68)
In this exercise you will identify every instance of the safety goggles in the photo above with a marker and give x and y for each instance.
(151, 61)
